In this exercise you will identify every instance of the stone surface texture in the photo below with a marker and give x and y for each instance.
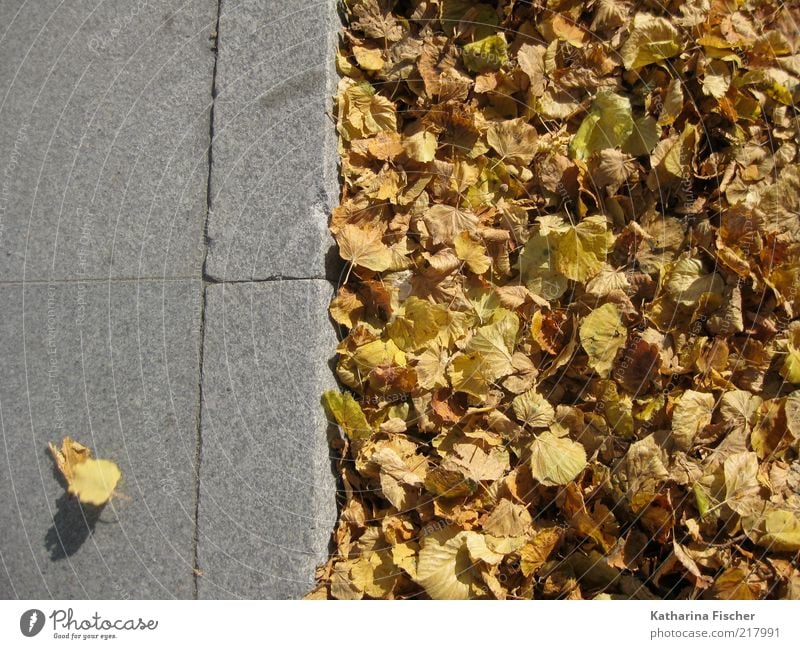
(115, 366)
(273, 181)
(167, 169)
(104, 119)
(267, 497)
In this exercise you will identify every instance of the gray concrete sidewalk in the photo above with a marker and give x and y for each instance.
(165, 273)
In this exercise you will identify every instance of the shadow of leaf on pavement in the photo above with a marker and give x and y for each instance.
(73, 523)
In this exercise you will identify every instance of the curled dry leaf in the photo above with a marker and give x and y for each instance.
(92, 481)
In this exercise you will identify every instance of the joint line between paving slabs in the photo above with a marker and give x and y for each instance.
(199, 444)
(264, 280)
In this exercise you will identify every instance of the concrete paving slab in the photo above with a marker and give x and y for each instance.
(104, 173)
(104, 131)
(115, 365)
(273, 179)
(267, 493)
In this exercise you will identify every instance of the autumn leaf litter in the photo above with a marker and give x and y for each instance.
(571, 233)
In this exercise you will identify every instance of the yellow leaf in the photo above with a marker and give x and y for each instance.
(673, 103)
(92, 481)
(602, 336)
(738, 408)
(532, 409)
(774, 529)
(652, 39)
(445, 222)
(375, 20)
(363, 113)
(531, 62)
(581, 251)
(487, 356)
(508, 519)
(537, 269)
(644, 137)
(421, 146)
(364, 248)
(449, 482)
(671, 159)
(430, 366)
(732, 584)
(535, 553)
(790, 370)
(556, 460)
(444, 567)
(479, 463)
(607, 125)
(643, 467)
(692, 413)
(369, 58)
(618, 411)
(71, 454)
(385, 186)
(342, 586)
(396, 473)
(345, 67)
(792, 409)
(378, 353)
(687, 280)
(405, 557)
(347, 308)
(479, 549)
(776, 83)
(468, 373)
(346, 411)
(565, 29)
(779, 203)
(473, 253)
(606, 281)
(782, 531)
(489, 53)
(416, 322)
(385, 146)
(717, 79)
(514, 139)
(741, 482)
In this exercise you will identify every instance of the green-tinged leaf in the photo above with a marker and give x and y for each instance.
(489, 53)
(774, 529)
(602, 336)
(581, 251)
(608, 125)
(346, 411)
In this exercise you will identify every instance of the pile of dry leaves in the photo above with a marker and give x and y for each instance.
(572, 235)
